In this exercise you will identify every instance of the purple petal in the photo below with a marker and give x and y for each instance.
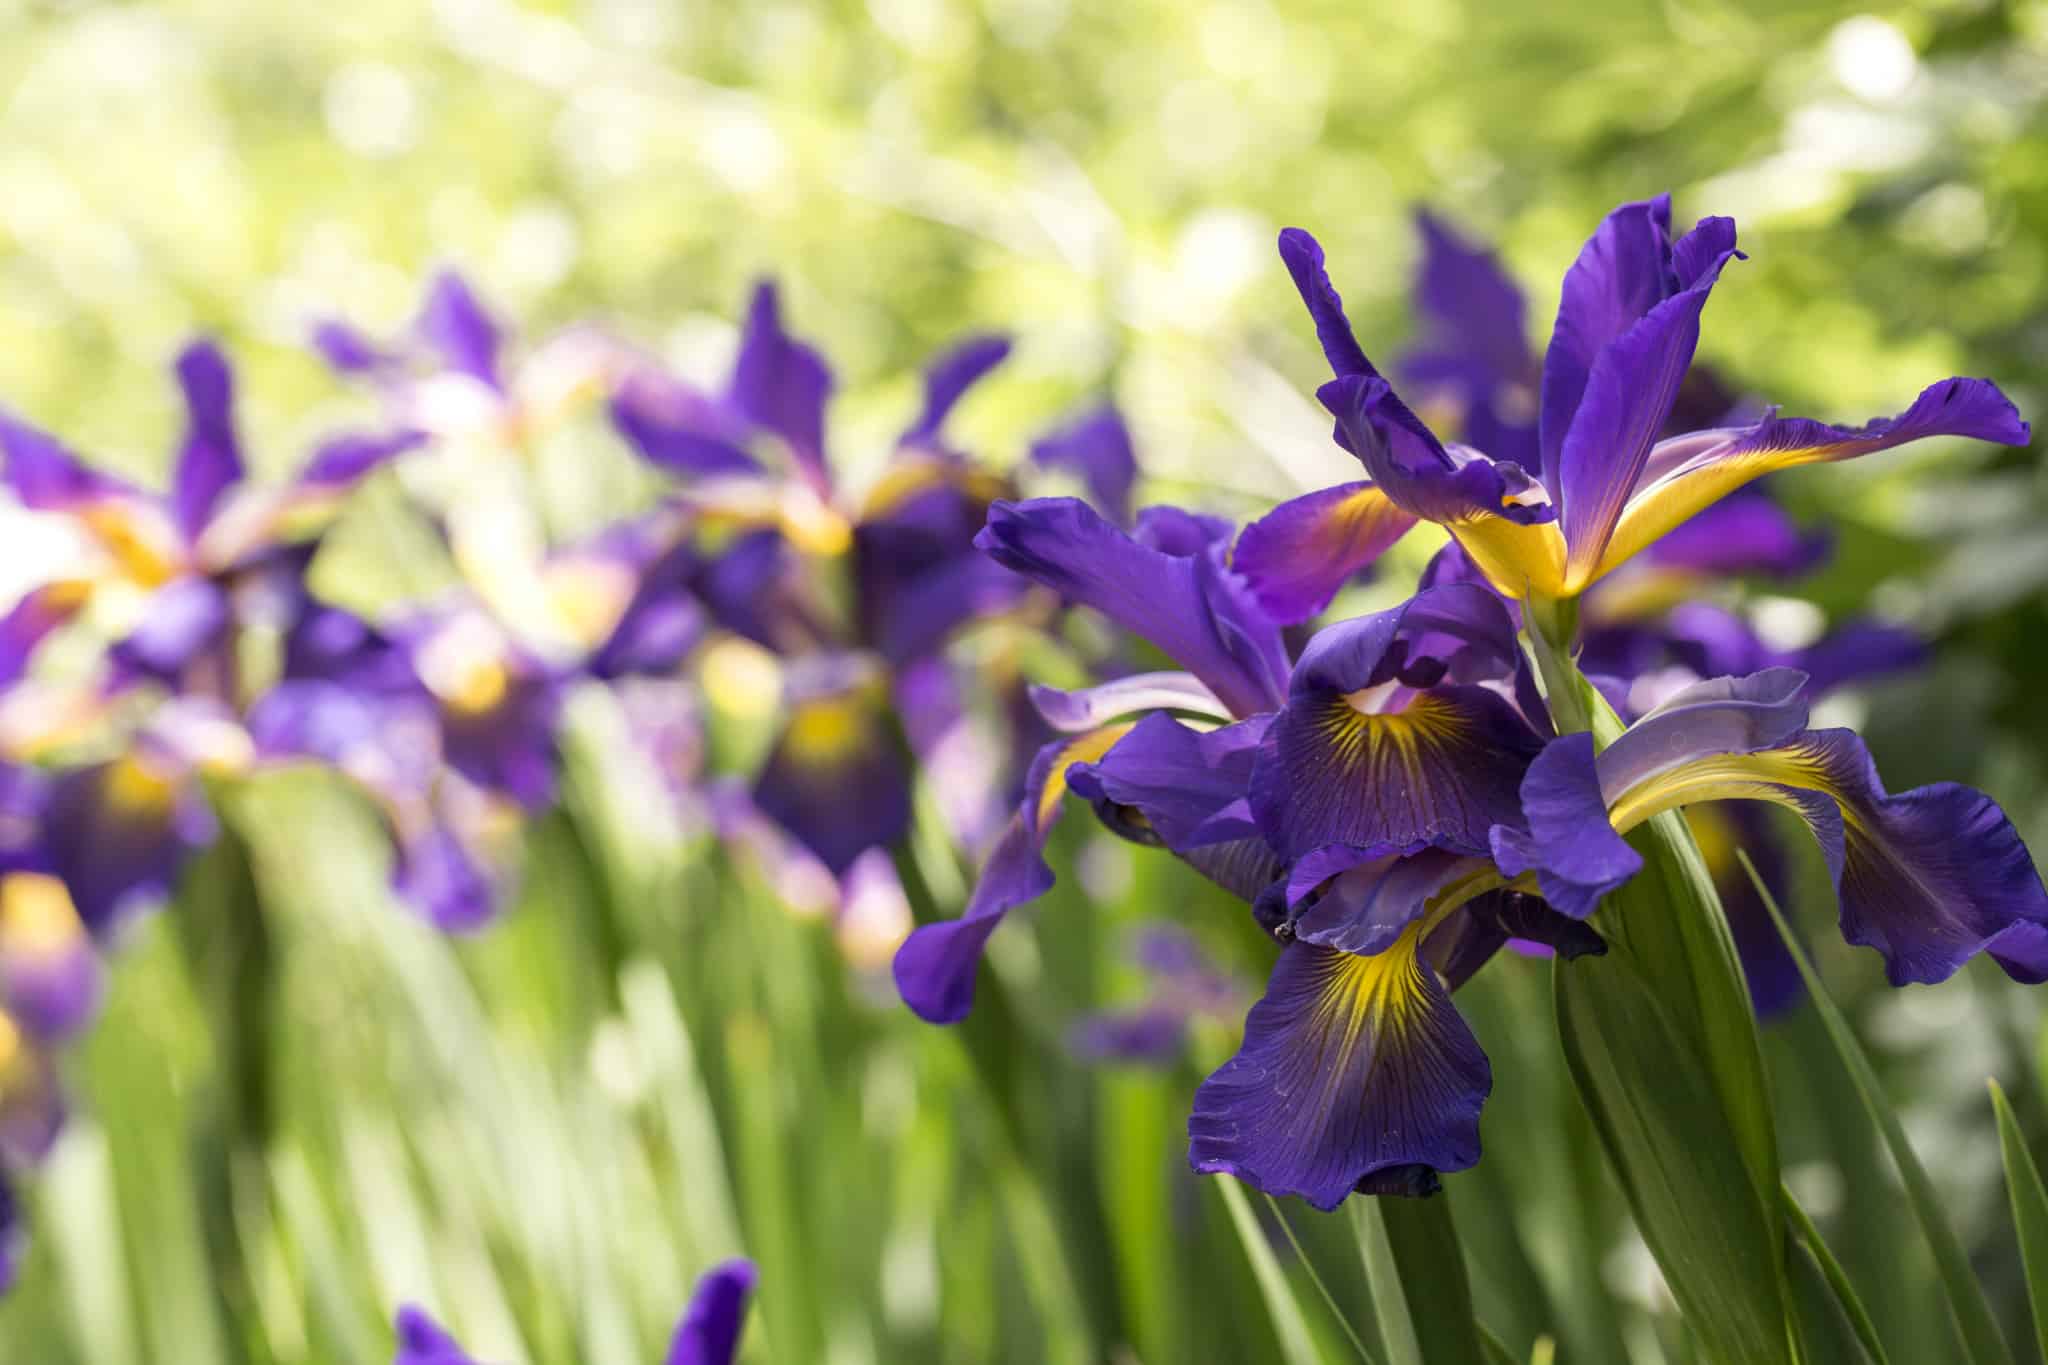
(437, 874)
(1719, 715)
(780, 384)
(346, 349)
(661, 623)
(1303, 256)
(1150, 1035)
(1627, 396)
(1179, 532)
(958, 369)
(508, 746)
(1417, 471)
(836, 778)
(210, 458)
(50, 976)
(677, 428)
(341, 462)
(1368, 906)
(709, 1333)
(1189, 785)
(422, 1341)
(455, 323)
(1301, 553)
(119, 833)
(1436, 760)
(47, 477)
(1623, 271)
(182, 620)
(1355, 1072)
(31, 620)
(1096, 447)
(1471, 308)
(935, 967)
(1747, 533)
(1856, 650)
(1190, 607)
(1566, 840)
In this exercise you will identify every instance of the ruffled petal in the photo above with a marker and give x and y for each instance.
(1355, 1073)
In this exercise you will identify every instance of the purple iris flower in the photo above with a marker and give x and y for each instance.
(189, 547)
(1169, 582)
(1603, 486)
(709, 1333)
(1183, 987)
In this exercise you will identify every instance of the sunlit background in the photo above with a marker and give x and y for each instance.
(547, 1155)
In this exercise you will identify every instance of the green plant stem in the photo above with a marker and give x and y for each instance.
(1329, 1300)
(1837, 1278)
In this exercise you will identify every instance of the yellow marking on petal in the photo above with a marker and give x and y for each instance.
(479, 688)
(1088, 748)
(740, 677)
(1726, 777)
(588, 596)
(907, 478)
(1716, 835)
(813, 526)
(1520, 561)
(12, 1053)
(132, 786)
(828, 729)
(1644, 593)
(141, 542)
(1385, 992)
(1656, 510)
(37, 918)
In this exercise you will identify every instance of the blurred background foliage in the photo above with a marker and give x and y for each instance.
(544, 1148)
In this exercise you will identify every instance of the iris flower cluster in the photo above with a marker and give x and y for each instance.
(1407, 793)
(193, 647)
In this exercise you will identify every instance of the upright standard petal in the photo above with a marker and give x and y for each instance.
(1190, 606)
(948, 379)
(209, 457)
(1474, 328)
(1388, 740)
(1685, 474)
(1298, 555)
(1303, 256)
(781, 385)
(1622, 272)
(454, 322)
(1095, 448)
(935, 967)
(709, 1333)
(1356, 1074)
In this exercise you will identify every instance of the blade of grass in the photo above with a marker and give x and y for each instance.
(1837, 1278)
(1383, 1277)
(1297, 1346)
(1497, 1351)
(1968, 1310)
(1329, 1300)
(2029, 1211)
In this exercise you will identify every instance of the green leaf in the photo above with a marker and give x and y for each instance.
(2029, 1211)
(1969, 1311)
(1837, 1279)
(1662, 1044)
(1416, 1271)
(1297, 1346)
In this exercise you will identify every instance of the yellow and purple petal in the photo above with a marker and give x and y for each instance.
(1301, 553)
(1388, 737)
(1356, 1074)
(837, 778)
(936, 965)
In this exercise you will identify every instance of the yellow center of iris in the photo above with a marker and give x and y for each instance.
(829, 728)
(37, 918)
(478, 688)
(132, 785)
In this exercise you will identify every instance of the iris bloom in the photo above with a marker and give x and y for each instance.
(767, 528)
(1184, 987)
(1603, 486)
(709, 1333)
(1169, 582)
(180, 555)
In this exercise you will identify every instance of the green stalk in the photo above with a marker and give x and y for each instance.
(1661, 1043)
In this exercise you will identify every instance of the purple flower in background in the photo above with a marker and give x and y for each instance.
(189, 547)
(1604, 486)
(1183, 986)
(708, 1334)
